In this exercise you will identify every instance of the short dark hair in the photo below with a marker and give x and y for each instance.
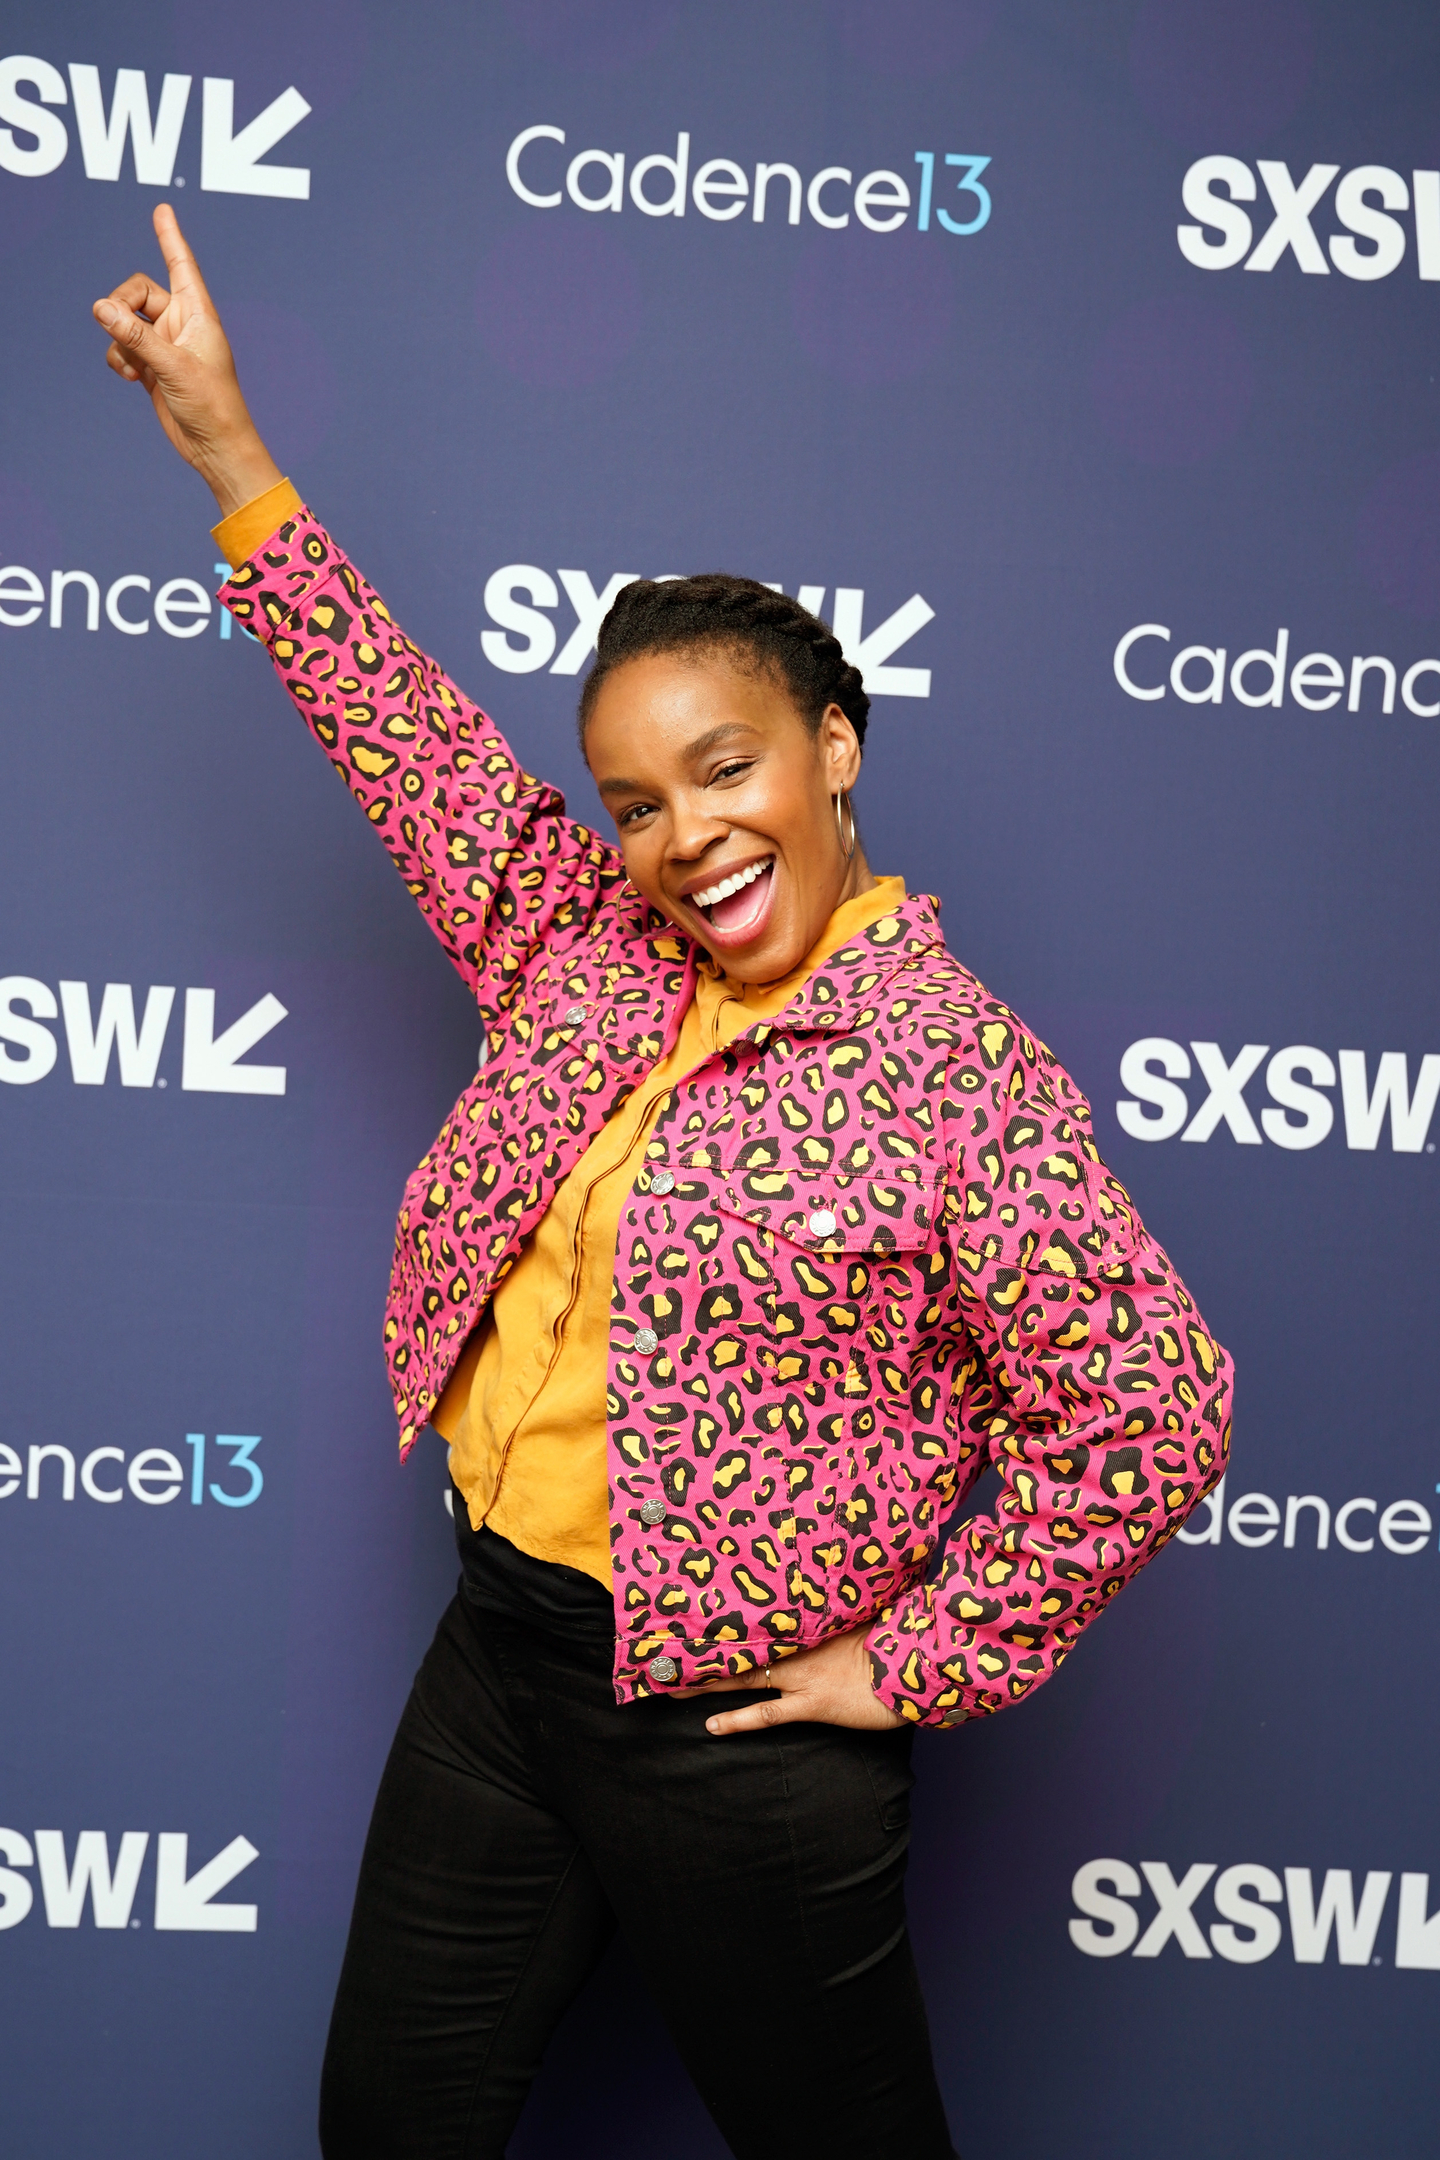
(736, 616)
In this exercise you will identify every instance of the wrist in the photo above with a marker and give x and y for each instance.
(864, 1670)
(239, 472)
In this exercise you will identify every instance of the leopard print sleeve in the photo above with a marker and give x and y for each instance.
(1081, 1370)
(485, 849)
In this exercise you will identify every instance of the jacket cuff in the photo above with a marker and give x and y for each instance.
(904, 1679)
(246, 529)
(279, 595)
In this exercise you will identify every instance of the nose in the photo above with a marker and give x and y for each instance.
(694, 830)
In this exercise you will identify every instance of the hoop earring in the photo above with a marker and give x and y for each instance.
(847, 852)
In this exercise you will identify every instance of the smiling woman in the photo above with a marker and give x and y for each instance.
(753, 723)
(762, 1231)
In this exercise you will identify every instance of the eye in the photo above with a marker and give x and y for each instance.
(632, 816)
(735, 770)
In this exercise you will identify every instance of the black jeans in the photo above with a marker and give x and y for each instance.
(759, 1880)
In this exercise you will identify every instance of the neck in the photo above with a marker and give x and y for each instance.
(859, 877)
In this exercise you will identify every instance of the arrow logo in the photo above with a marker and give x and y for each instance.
(210, 1062)
(867, 653)
(182, 1905)
(229, 162)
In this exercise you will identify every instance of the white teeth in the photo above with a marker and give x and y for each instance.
(729, 885)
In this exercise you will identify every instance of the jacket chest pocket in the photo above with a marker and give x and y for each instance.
(821, 1281)
(819, 1250)
(583, 1037)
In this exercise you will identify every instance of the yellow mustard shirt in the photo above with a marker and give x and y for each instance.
(240, 534)
(524, 1411)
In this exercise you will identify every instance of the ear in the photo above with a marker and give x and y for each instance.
(839, 748)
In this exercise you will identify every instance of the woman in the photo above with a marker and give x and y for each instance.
(762, 1229)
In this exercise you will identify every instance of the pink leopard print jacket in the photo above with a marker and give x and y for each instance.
(874, 1250)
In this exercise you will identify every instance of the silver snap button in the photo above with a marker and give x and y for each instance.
(574, 1015)
(645, 1340)
(663, 1669)
(822, 1223)
(653, 1512)
(663, 1181)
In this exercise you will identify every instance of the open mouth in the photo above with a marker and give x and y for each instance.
(735, 907)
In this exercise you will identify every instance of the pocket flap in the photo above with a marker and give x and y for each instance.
(892, 1209)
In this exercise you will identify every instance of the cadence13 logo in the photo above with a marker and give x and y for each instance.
(948, 184)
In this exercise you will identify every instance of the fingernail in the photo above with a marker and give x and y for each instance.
(712, 1724)
(108, 313)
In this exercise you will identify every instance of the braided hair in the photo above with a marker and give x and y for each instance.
(745, 621)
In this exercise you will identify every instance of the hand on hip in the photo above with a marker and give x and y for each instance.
(829, 1685)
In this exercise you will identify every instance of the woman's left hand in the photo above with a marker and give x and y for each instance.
(829, 1685)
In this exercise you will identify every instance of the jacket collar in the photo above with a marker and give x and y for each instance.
(840, 993)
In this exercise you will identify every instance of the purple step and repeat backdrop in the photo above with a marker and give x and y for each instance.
(1078, 359)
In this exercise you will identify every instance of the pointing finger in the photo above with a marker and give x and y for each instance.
(179, 261)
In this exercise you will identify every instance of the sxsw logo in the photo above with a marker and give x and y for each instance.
(1247, 1928)
(530, 620)
(1365, 202)
(184, 1903)
(209, 1063)
(35, 140)
(1301, 1112)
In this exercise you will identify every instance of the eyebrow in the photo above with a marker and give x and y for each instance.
(725, 730)
(723, 733)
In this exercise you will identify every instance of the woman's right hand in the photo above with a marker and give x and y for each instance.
(172, 342)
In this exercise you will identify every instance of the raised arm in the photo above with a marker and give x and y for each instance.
(170, 340)
(484, 849)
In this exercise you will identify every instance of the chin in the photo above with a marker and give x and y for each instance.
(768, 959)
